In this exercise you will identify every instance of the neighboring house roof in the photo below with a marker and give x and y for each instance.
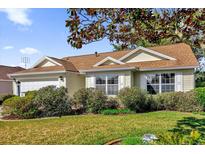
(173, 56)
(5, 70)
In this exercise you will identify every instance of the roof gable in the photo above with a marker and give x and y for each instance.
(108, 60)
(46, 62)
(141, 56)
(149, 52)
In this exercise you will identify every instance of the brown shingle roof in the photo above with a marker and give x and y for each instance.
(42, 69)
(68, 66)
(5, 70)
(181, 52)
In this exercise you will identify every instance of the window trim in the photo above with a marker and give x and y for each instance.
(160, 80)
(106, 82)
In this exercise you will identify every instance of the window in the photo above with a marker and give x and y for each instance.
(168, 82)
(101, 83)
(112, 85)
(158, 83)
(107, 84)
(153, 83)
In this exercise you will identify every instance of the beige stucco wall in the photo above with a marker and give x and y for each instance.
(134, 78)
(6, 87)
(74, 82)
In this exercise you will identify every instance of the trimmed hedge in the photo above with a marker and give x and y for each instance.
(96, 102)
(112, 103)
(5, 97)
(80, 99)
(136, 99)
(178, 101)
(139, 101)
(48, 101)
(16, 105)
(51, 101)
(92, 101)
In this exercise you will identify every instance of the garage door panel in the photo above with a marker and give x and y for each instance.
(36, 85)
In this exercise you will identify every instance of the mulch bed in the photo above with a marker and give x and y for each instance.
(11, 117)
(114, 142)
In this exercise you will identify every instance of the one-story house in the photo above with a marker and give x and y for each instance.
(155, 69)
(6, 84)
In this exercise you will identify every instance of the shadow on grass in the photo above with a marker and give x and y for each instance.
(188, 124)
(188, 131)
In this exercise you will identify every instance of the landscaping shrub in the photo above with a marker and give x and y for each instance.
(30, 111)
(31, 93)
(5, 97)
(115, 111)
(200, 84)
(80, 99)
(190, 137)
(135, 99)
(200, 95)
(150, 104)
(178, 101)
(16, 105)
(46, 102)
(51, 101)
(112, 103)
(91, 100)
(96, 101)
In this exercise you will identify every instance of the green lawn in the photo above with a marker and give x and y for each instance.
(87, 129)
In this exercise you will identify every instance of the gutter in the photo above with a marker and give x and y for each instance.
(168, 68)
(1, 80)
(135, 68)
(108, 69)
(35, 73)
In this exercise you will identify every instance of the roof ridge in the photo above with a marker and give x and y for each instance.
(98, 53)
(64, 58)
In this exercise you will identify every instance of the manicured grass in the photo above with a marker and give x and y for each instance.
(87, 129)
(133, 141)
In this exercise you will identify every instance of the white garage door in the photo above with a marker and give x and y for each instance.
(36, 85)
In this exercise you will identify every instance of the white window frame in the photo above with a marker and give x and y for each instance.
(106, 82)
(101, 76)
(160, 80)
(165, 84)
